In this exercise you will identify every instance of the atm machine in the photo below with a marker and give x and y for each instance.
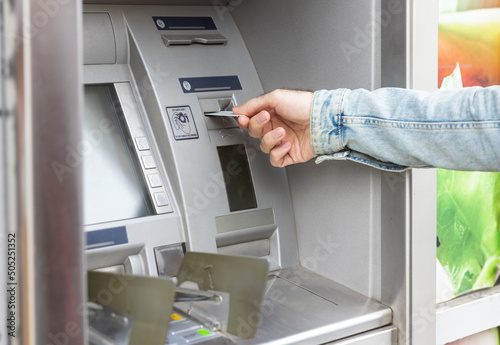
(162, 176)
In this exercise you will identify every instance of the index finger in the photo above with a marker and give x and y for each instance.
(243, 121)
(256, 105)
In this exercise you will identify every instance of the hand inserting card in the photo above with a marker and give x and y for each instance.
(226, 113)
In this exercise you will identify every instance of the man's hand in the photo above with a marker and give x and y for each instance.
(282, 119)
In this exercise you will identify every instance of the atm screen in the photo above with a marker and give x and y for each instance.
(237, 177)
(113, 185)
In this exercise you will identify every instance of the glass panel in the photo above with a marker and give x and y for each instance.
(468, 203)
(113, 187)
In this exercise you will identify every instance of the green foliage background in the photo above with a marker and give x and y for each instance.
(468, 227)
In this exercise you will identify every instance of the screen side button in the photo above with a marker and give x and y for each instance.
(155, 180)
(142, 143)
(148, 162)
(161, 199)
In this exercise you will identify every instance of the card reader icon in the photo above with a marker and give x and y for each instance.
(181, 122)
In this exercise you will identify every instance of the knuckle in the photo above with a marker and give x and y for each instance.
(251, 132)
(276, 159)
(263, 146)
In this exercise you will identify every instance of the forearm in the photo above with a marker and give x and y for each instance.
(458, 129)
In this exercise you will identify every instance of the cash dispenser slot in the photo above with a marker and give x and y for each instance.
(244, 227)
(247, 233)
(188, 39)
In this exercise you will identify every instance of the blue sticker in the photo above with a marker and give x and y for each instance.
(106, 237)
(208, 84)
(182, 122)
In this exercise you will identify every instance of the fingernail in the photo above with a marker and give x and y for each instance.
(278, 133)
(261, 117)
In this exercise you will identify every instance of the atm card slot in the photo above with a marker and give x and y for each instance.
(224, 113)
(218, 112)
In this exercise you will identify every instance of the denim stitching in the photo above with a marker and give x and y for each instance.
(378, 165)
(339, 121)
(314, 122)
(419, 125)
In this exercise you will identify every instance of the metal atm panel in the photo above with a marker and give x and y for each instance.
(224, 195)
(184, 88)
(34, 82)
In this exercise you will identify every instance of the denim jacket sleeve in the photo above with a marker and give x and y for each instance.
(396, 129)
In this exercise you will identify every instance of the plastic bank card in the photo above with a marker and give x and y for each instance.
(222, 113)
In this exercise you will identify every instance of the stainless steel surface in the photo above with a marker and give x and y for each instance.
(245, 235)
(245, 220)
(169, 259)
(147, 300)
(422, 70)
(9, 168)
(281, 34)
(376, 253)
(99, 45)
(210, 308)
(396, 254)
(48, 112)
(336, 205)
(409, 59)
(108, 327)
(409, 200)
(362, 218)
(423, 256)
(408, 253)
(257, 248)
(192, 164)
(187, 39)
(386, 336)
(301, 307)
(394, 43)
(244, 278)
(4, 196)
(467, 315)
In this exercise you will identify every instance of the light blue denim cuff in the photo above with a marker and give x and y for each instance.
(327, 131)
(326, 114)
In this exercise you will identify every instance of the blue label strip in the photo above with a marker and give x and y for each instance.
(184, 23)
(106, 237)
(208, 84)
